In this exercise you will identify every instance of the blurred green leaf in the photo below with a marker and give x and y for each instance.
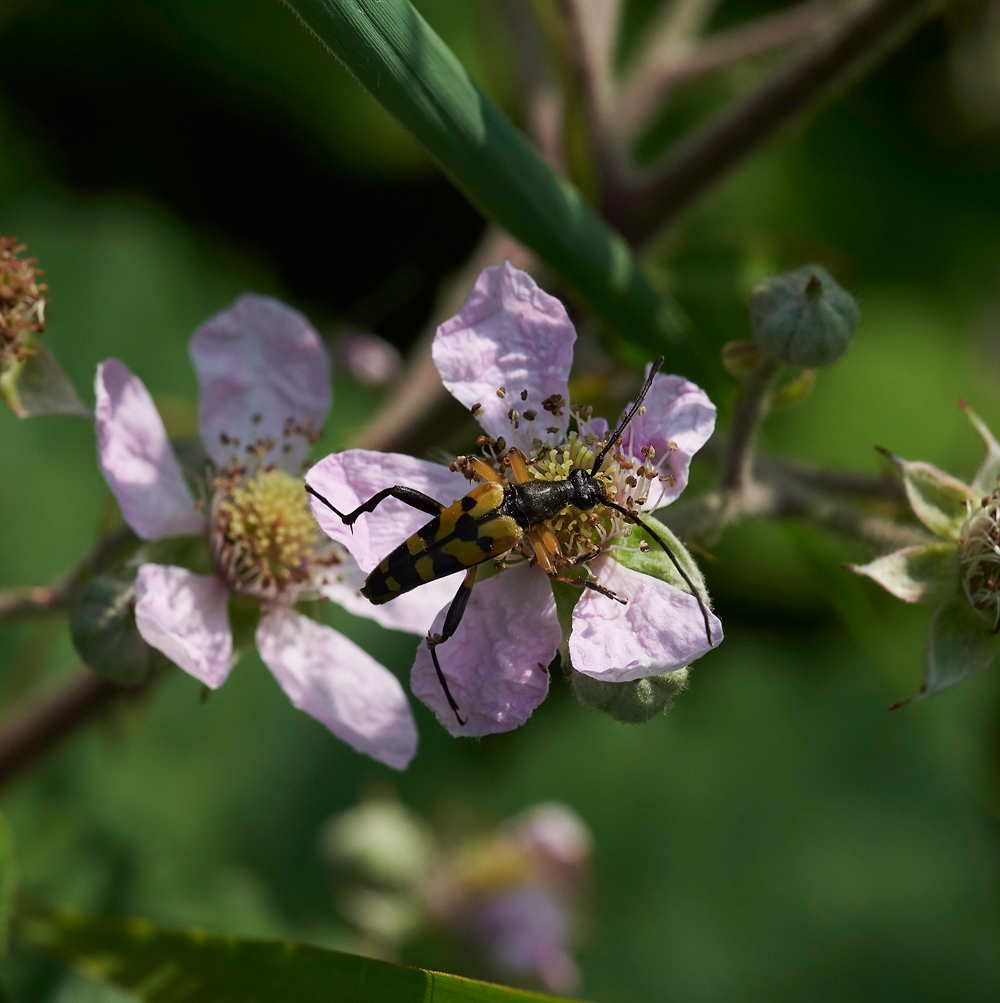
(193, 967)
(406, 66)
(9, 878)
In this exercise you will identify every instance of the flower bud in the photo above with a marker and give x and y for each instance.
(803, 318)
(105, 635)
(634, 702)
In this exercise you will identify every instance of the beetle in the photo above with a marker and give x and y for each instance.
(488, 522)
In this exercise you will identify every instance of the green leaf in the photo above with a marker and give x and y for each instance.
(9, 879)
(916, 574)
(656, 563)
(38, 386)
(937, 499)
(408, 69)
(161, 967)
(985, 481)
(959, 644)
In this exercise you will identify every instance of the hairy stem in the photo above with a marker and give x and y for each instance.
(640, 212)
(751, 409)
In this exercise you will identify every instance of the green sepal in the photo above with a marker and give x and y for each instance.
(803, 318)
(244, 617)
(985, 481)
(656, 563)
(959, 643)
(105, 636)
(937, 499)
(155, 966)
(927, 573)
(634, 702)
(9, 881)
(37, 385)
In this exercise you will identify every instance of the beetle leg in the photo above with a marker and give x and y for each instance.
(519, 466)
(451, 621)
(586, 583)
(484, 470)
(542, 554)
(409, 496)
(586, 558)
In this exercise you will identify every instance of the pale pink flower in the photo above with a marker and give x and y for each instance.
(507, 356)
(264, 379)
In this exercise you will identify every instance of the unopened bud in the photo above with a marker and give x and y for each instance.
(803, 318)
(105, 635)
(634, 702)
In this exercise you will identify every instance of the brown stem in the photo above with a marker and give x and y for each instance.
(647, 207)
(668, 63)
(32, 730)
(32, 601)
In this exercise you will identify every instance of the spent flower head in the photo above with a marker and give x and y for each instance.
(506, 356)
(959, 571)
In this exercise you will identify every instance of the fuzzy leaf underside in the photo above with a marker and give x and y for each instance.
(916, 574)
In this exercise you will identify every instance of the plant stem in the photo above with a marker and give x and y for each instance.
(751, 409)
(640, 212)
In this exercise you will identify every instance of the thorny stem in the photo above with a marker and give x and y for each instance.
(751, 408)
(647, 207)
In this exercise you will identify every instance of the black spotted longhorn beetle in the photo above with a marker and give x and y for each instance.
(486, 524)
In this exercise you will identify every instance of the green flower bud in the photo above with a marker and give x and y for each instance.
(105, 635)
(803, 318)
(631, 703)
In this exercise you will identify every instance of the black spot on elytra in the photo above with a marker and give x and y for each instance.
(485, 543)
(466, 528)
(468, 503)
(429, 532)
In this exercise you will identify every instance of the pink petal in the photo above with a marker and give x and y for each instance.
(347, 479)
(413, 611)
(510, 334)
(260, 359)
(186, 616)
(341, 685)
(496, 661)
(676, 411)
(137, 459)
(659, 630)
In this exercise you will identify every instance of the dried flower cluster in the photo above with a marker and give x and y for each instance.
(22, 302)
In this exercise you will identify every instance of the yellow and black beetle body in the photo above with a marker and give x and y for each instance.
(489, 522)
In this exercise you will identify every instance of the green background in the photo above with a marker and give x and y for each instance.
(779, 835)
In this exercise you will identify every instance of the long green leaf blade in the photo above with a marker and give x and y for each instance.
(408, 69)
(160, 967)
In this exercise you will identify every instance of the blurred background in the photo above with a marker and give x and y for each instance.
(777, 835)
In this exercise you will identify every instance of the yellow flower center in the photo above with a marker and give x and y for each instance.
(264, 534)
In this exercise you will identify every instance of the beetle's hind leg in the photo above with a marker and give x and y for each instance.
(451, 621)
(544, 556)
(409, 496)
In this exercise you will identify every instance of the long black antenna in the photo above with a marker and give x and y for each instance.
(325, 501)
(656, 536)
(653, 370)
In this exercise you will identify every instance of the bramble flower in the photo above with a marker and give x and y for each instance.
(506, 356)
(264, 379)
(959, 572)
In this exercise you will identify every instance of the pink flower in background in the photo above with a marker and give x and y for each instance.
(264, 380)
(507, 356)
